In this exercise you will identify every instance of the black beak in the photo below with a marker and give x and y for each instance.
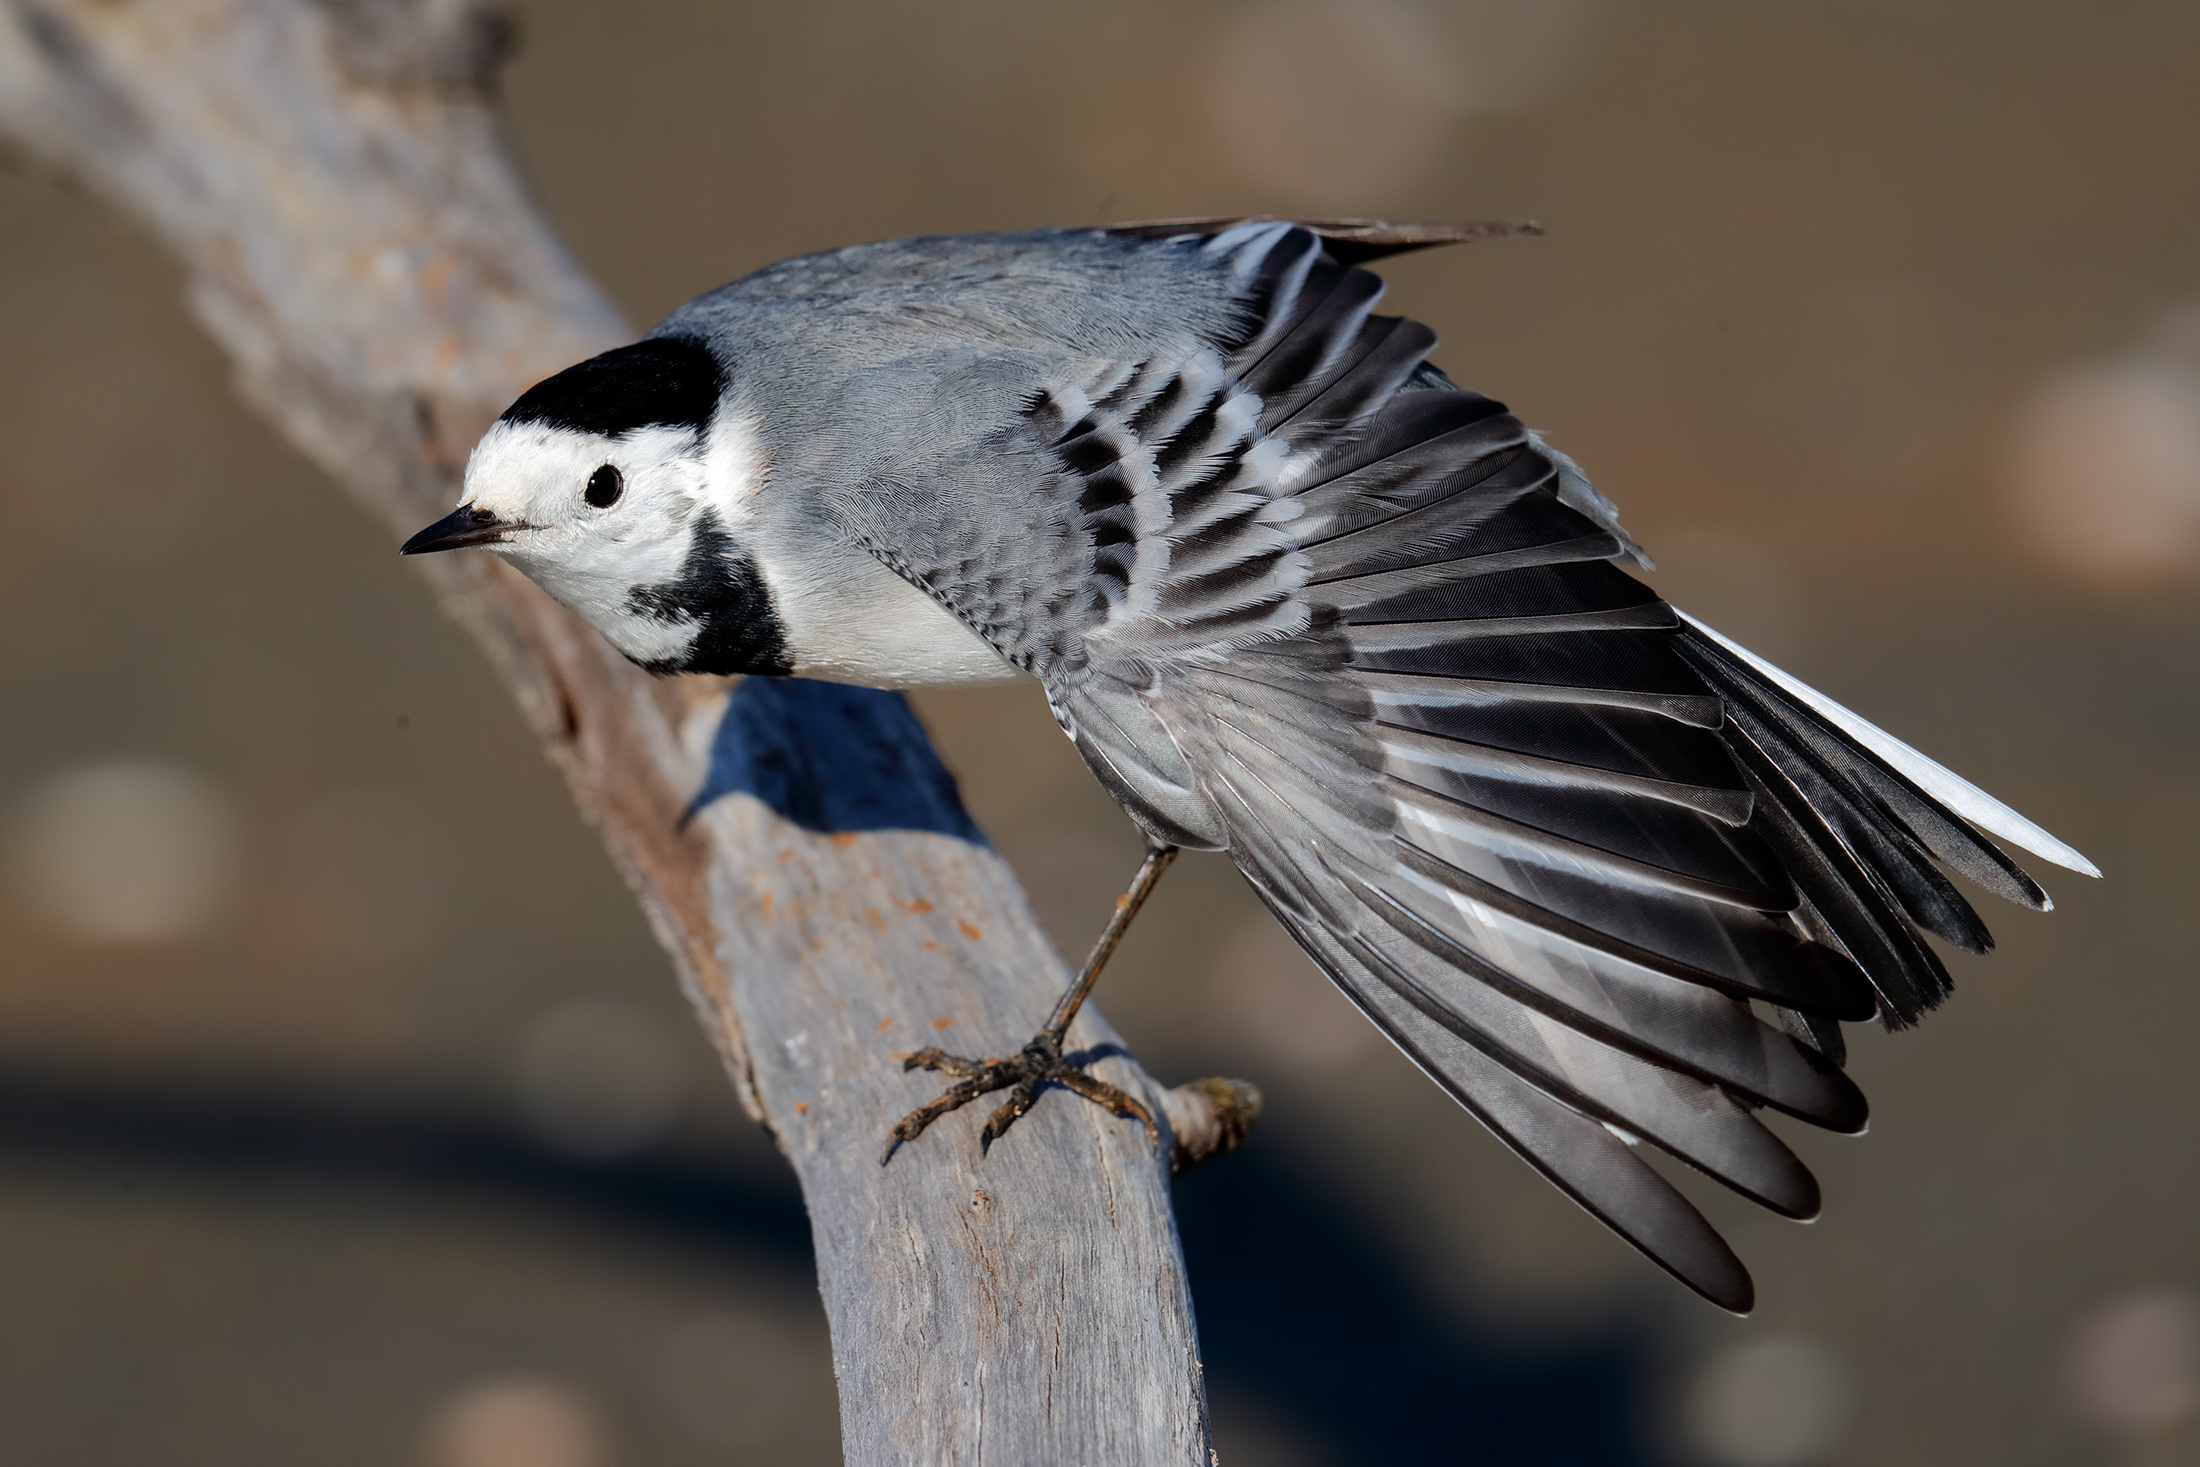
(463, 526)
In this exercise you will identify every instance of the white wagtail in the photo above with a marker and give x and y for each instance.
(1606, 876)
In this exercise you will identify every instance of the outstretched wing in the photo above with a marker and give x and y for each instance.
(1368, 633)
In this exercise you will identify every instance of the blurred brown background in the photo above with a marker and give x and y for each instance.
(348, 1114)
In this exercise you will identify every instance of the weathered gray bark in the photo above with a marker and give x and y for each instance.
(332, 179)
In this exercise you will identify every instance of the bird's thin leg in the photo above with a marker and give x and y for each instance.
(1126, 910)
(1040, 1061)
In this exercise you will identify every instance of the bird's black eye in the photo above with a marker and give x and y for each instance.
(605, 486)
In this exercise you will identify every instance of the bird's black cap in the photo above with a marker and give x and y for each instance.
(664, 381)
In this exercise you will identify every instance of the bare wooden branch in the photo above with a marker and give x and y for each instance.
(330, 173)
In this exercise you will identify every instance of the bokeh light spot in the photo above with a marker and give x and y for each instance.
(2104, 471)
(2134, 1364)
(127, 851)
(516, 1423)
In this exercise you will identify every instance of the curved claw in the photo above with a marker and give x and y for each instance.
(1114, 1097)
(933, 1058)
(1020, 1099)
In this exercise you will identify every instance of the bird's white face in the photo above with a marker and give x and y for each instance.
(617, 486)
(605, 524)
(627, 489)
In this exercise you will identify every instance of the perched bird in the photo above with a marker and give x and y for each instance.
(1608, 878)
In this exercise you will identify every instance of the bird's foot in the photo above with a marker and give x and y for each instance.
(1038, 1063)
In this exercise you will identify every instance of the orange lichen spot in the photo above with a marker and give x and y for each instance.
(942, 1023)
(766, 904)
(801, 1109)
(932, 947)
(844, 838)
(970, 930)
(884, 1025)
(434, 276)
(786, 855)
(876, 918)
(915, 906)
(1122, 901)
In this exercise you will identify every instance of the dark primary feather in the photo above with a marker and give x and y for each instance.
(1609, 881)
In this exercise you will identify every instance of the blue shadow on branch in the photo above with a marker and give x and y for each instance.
(832, 758)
